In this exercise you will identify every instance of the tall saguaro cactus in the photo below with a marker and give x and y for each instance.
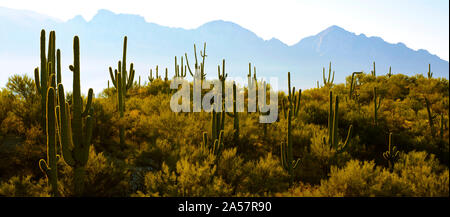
(252, 87)
(217, 126)
(222, 77)
(122, 82)
(390, 72)
(333, 121)
(45, 77)
(157, 76)
(376, 106)
(328, 82)
(430, 117)
(180, 70)
(291, 111)
(352, 87)
(49, 166)
(429, 73)
(75, 136)
(216, 145)
(199, 68)
(293, 100)
(287, 157)
(391, 155)
(373, 72)
(235, 116)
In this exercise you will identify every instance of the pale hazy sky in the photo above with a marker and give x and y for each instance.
(417, 23)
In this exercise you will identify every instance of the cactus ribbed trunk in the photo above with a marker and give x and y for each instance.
(430, 117)
(49, 167)
(51, 143)
(333, 123)
(122, 82)
(75, 138)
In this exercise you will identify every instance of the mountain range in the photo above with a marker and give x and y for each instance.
(150, 44)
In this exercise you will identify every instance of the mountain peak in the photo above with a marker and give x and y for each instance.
(104, 15)
(220, 23)
(333, 30)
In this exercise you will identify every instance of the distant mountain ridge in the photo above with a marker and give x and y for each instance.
(150, 44)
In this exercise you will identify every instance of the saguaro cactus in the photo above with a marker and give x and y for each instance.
(376, 106)
(122, 82)
(75, 138)
(216, 146)
(328, 82)
(373, 72)
(252, 85)
(293, 100)
(49, 166)
(333, 128)
(235, 116)
(217, 126)
(180, 70)
(287, 157)
(429, 73)
(391, 155)
(198, 67)
(352, 87)
(217, 123)
(166, 78)
(430, 117)
(222, 77)
(157, 76)
(390, 72)
(44, 77)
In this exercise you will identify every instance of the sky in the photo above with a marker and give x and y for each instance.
(420, 24)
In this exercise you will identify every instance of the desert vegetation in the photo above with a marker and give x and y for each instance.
(377, 134)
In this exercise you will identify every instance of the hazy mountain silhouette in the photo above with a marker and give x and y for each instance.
(150, 44)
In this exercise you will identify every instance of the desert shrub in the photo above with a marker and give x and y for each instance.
(422, 174)
(230, 168)
(264, 177)
(415, 174)
(24, 186)
(104, 177)
(189, 179)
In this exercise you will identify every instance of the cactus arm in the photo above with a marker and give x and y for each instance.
(195, 55)
(323, 73)
(36, 80)
(187, 63)
(49, 167)
(58, 67)
(87, 137)
(88, 104)
(332, 79)
(131, 77)
(43, 166)
(329, 72)
(64, 131)
(111, 74)
(297, 107)
(344, 146)
(124, 58)
(43, 60)
(203, 55)
(289, 85)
